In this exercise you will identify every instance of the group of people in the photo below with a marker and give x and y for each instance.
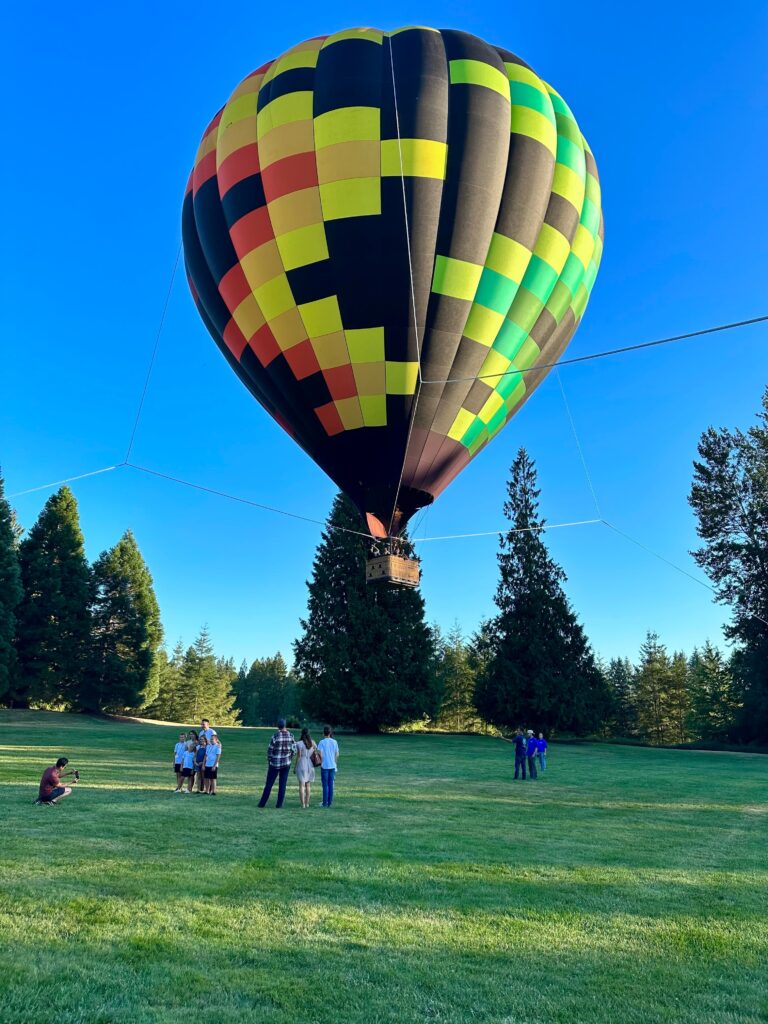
(196, 760)
(528, 750)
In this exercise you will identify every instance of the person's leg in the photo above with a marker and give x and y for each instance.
(324, 780)
(543, 757)
(271, 776)
(517, 767)
(307, 793)
(532, 767)
(522, 767)
(179, 782)
(213, 784)
(191, 782)
(283, 782)
(331, 776)
(61, 796)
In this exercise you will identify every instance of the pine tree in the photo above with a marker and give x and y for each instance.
(715, 701)
(457, 677)
(54, 619)
(170, 685)
(539, 667)
(267, 692)
(729, 495)
(620, 678)
(127, 633)
(679, 699)
(10, 594)
(366, 657)
(206, 687)
(653, 683)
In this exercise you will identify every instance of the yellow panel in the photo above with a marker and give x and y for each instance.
(366, 344)
(457, 278)
(331, 350)
(583, 245)
(288, 329)
(373, 35)
(296, 210)
(303, 246)
(412, 28)
(293, 106)
(461, 424)
(238, 108)
(321, 316)
(348, 160)
(374, 409)
(483, 325)
(517, 73)
(569, 185)
(355, 197)
(348, 124)
(234, 137)
(401, 378)
(516, 395)
(287, 140)
(525, 121)
(248, 316)
(414, 158)
(495, 363)
(250, 84)
(527, 355)
(553, 247)
(507, 257)
(370, 378)
(274, 297)
(492, 406)
(350, 413)
(262, 264)
(299, 57)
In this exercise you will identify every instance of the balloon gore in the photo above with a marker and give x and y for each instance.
(386, 234)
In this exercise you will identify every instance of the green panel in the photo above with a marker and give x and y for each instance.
(524, 95)
(496, 291)
(510, 339)
(473, 432)
(508, 383)
(539, 278)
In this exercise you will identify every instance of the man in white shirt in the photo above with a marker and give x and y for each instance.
(206, 730)
(329, 750)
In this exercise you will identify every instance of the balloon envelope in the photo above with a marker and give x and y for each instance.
(382, 233)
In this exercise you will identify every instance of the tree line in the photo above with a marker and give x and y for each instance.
(90, 638)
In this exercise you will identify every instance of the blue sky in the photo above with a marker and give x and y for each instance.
(104, 106)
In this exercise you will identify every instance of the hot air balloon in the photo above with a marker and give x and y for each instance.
(383, 231)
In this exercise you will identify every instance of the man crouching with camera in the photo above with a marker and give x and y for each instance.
(51, 790)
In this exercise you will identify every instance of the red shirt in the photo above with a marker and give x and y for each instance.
(49, 782)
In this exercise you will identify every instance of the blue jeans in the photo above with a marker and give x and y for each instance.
(272, 774)
(327, 775)
(519, 763)
(542, 756)
(532, 766)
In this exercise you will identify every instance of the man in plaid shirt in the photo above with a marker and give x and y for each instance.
(280, 753)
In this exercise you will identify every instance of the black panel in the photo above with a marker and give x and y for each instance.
(244, 197)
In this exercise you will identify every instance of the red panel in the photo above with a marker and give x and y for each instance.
(234, 287)
(204, 171)
(235, 339)
(302, 360)
(291, 174)
(264, 345)
(251, 231)
(239, 165)
(341, 382)
(329, 417)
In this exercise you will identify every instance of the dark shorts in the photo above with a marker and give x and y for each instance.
(186, 772)
(53, 795)
(211, 773)
(177, 768)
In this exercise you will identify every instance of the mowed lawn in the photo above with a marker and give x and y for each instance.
(626, 885)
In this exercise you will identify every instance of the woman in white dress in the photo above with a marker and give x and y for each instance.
(305, 769)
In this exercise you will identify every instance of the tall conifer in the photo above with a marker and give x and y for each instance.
(365, 657)
(10, 593)
(539, 668)
(54, 618)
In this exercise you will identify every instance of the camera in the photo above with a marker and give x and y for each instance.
(76, 775)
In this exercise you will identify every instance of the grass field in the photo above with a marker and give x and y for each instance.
(626, 885)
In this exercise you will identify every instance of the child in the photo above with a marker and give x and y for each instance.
(200, 762)
(178, 754)
(212, 758)
(188, 767)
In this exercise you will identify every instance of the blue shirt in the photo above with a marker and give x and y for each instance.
(189, 759)
(178, 751)
(212, 751)
(532, 746)
(519, 746)
(542, 745)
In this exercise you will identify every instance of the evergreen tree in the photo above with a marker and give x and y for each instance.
(457, 678)
(715, 702)
(730, 498)
(365, 657)
(539, 668)
(679, 700)
(653, 684)
(127, 633)
(206, 690)
(620, 678)
(267, 692)
(10, 594)
(170, 685)
(54, 619)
